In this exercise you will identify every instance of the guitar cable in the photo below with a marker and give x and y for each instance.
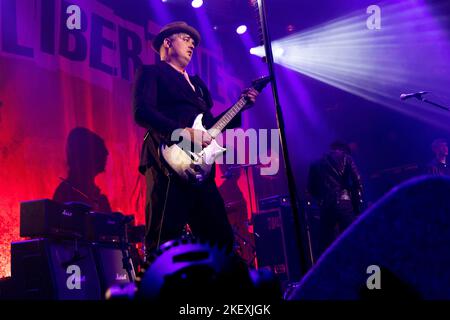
(163, 212)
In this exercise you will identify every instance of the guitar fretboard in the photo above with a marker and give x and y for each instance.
(227, 117)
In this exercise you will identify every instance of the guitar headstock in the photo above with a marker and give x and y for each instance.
(260, 83)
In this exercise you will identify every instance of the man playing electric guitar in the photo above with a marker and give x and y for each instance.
(166, 98)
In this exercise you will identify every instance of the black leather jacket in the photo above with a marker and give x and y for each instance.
(335, 178)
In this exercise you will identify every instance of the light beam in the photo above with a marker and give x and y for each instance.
(408, 53)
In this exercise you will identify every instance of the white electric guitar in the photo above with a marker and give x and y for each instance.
(196, 166)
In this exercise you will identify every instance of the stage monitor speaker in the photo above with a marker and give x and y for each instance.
(397, 249)
(54, 269)
(275, 244)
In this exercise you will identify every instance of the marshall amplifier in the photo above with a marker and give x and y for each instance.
(74, 220)
(50, 269)
(110, 265)
(48, 218)
(106, 227)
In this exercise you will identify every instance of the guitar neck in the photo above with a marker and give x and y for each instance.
(227, 117)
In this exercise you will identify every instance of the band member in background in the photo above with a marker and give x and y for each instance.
(166, 98)
(335, 183)
(439, 166)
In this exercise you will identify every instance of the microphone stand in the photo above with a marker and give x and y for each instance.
(435, 104)
(304, 247)
(419, 96)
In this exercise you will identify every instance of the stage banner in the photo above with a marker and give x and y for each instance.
(66, 120)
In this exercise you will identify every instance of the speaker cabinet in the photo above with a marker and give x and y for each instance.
(110, 265)
(275, 243)
(54, 269)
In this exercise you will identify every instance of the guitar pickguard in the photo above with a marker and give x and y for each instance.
(189, 165)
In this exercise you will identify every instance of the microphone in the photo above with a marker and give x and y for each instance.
(417, 95)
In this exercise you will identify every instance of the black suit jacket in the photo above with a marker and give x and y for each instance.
(163, 101)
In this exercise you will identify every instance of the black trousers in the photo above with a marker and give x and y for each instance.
(334, 219)
(200, 206)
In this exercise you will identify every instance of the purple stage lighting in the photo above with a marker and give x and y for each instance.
(377, 53)
(197, 3)
(241, 29)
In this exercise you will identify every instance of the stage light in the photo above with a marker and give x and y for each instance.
(197, 3)
(277, 52)
(241, 29)
(407, 51)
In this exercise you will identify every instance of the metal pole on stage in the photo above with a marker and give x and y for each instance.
(301, 228)
(435, 104)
